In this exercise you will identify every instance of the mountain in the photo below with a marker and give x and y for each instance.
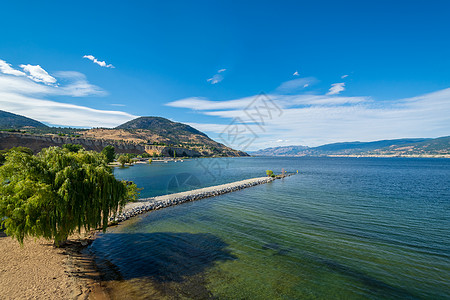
(12, 121)
(280, 151)
(160, 125)
(398, 147)
(161, 131)
(154, 135)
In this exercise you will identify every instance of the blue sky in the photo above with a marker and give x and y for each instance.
(336, 70)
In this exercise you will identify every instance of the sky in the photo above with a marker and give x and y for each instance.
(250, 74)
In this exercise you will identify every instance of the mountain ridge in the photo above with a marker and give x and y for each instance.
(149, 134)
(397, 147)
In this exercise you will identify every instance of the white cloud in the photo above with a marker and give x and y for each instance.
(77, 85)
(319, 119)
(36, 73)
(6, 68)
(336, 88)
(295, 84)
(217, 77)
(344, 76)
(296, 74)
(20, 95)
(98, 62)
(203, 104)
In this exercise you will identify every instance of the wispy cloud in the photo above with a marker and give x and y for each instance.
(318, 119)
(296, 73)
(218, 77)
(98, 62)
(295, 85)
(344, 76)
(336, 88)
(27, 96)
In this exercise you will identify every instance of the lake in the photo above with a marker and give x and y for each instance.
(342, 228)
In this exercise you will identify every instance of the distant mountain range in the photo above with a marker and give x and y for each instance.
(149, 134)
(420, 147)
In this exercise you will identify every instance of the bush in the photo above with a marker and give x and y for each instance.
(56, 192)
(269, 173)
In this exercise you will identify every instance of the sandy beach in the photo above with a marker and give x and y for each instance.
(39, 271)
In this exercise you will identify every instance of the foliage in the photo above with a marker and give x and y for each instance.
(124, 159)
(269, 173)
(73, 147)
(19, 149)
(56, 192)
(2, 156)
(145, 155)
(109, 152)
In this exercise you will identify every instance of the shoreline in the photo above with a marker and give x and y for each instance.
(70, 272)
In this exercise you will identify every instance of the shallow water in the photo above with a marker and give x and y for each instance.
(342, 228)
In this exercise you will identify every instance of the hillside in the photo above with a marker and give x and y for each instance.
(154, 135)
(280, 151)
(161, 131)
(160, 125)
(12, 121)
(398, 147)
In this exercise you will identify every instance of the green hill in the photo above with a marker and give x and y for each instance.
(160, 125)
(12, 121)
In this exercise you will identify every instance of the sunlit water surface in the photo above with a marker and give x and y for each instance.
(343, 228)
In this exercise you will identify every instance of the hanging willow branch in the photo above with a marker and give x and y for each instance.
(58, 192)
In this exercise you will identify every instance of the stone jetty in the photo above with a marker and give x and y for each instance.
(147, 204)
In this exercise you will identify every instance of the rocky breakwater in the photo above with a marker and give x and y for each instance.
(147, 204)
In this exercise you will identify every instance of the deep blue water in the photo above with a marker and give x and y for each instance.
(343, 228)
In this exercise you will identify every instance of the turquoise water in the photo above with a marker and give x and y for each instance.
(343, 228)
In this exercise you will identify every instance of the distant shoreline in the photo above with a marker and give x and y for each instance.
(360, 156)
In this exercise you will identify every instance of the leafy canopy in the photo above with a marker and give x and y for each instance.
(109, 152)
(57, 191)
(73, 147)
(124, 159)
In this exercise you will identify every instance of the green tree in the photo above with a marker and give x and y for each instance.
(57, 192)
(3, 156)
(73, 147)
(19, 148)
(123, 159)
(269, 173)
(109, 152)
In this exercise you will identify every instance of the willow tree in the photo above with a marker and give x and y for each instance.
(58, 192)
